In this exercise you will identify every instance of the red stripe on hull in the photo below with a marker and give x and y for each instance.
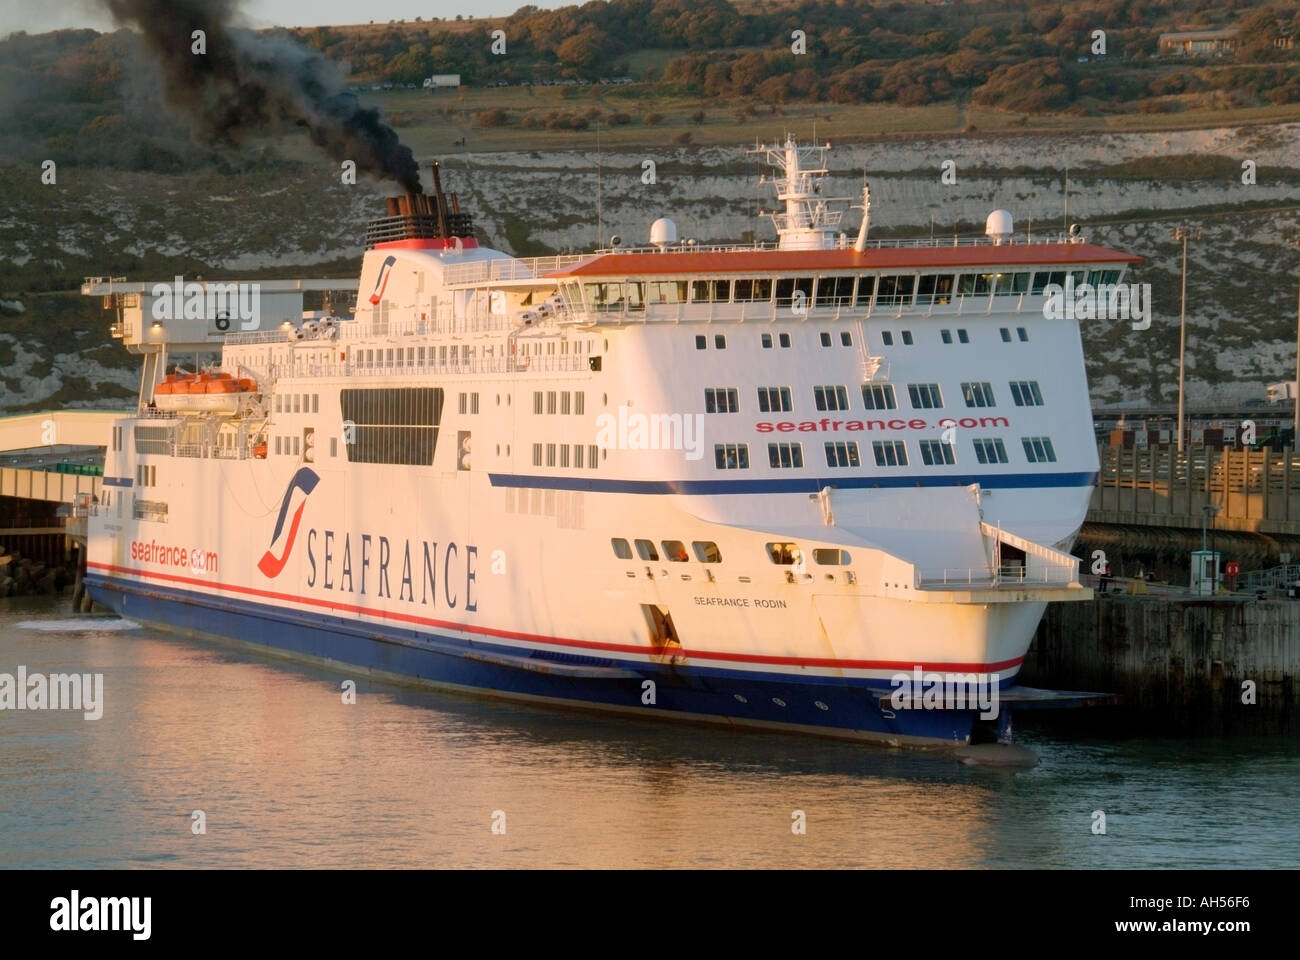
(819, 662)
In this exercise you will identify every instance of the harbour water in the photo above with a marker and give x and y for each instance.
(288, 775)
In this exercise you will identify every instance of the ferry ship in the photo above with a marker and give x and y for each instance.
(748, 485)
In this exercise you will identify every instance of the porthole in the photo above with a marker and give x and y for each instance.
(778, 701)
(739, 698)
(820, 705)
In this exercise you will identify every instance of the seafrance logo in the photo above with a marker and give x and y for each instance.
(304, 480)
(382, 281)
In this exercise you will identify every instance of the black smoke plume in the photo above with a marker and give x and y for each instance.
(249, 83)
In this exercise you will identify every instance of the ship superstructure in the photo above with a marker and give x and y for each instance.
(739, 484)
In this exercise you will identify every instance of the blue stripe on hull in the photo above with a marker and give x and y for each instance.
(989, 481)
(690, 693)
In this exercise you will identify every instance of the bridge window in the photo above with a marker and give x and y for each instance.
(1025, 393)
(645, 549)
(866, 287)
(831, 398)
(701, 342)
(785, 456)
(907, 338)
(753, 291)
(879, 396)
(934, 289)
(990, 450)
(975, 284)
(842, 454)
(720, 342)
(782, 553)
(1011, 284)
(827, 557)
(721, 400)
(706, 551)
(788, 287)
(667, 291)
(767, 341)
(1039, 449)
(978, 394)
(936, 453)
(710, 291)
(835, 291)
(945, 336)
(846, 338)
(731, 456)
(674, 550)
(895, 290)
(1099, 277)
(826, 338)
(783, 339)
(1022, 334)
(1006, 335)
(924, 396)
(886, 338)
(774, 399)
(622, 549)
(889, 453)
(962, 336)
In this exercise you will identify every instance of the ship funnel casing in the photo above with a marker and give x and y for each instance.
(998, 226)
(663, 232)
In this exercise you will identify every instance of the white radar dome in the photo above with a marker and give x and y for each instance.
(663, 232)
(998, 225)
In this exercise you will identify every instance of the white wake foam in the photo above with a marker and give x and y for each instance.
(79, 624)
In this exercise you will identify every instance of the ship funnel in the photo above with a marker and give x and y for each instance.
(421, 216)
(998, 226)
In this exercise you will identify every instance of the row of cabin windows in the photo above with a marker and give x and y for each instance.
(288, 446)
(558, 455)
(146, 476)
(297, 403)
(706, 551)
(963, 336)
(906, 289)
(412, 356)
(846, 339)
(875, 396)
(561, 401)
(886, 453)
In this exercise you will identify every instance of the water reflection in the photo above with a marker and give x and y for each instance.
(288, 775)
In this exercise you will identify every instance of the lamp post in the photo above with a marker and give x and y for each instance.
(1294, 240)
(1184, 234)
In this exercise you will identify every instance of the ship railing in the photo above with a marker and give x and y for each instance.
(768, 312)
(440, 325)
(281, 334)
(525, 268)
(974, 240)
(1004, 575)
(146, 412)
(564, 363)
